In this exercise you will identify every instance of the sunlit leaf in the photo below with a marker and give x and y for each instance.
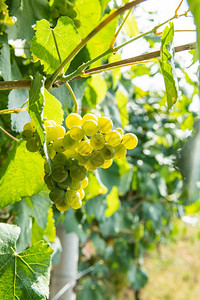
(167, 65)
(23, 275)
(122, 101)
(52, 108)
(21, 176)
(47, 41)
(112, 201)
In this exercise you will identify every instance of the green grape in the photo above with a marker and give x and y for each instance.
(49, 182)
(96, 159)
(62, 206)
(51, 151)
(84, 183)
(47, 168)
(49, 123)
(57, 195)
(76, 133)
(105, 125)
(77, 23)
(78, 172)
(89, 117)
(107, 152)
(27, 135)
(29, 126)
(97, 141)
(89, 165)
(59, 174)
(81, 159)
(113, 138)
(58, 145)
(69, 143)
(71, 13)
(84, 148)
(71, 162)
(32, 145)
(65, 184)
(51, 132)
(120, 151)
(77, 204)
(107, 164)
(120, 130)
(75, 184)
(90, 127)
(73, 119)
(61, 130)
(59, 160)
(71, 196)
(129, 140)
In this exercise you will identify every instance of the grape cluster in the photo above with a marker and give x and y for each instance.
(63, 8)
(89, 143)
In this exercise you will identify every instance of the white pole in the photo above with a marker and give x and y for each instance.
(67, 268)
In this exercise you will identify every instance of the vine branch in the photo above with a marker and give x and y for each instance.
(106, 21)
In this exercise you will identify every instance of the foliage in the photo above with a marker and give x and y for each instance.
(130, 207)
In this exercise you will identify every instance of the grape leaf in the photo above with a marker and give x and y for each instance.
(5, 66)
(36, 207)
(21, 175)
(36, 103)
(27, 12)
(52, 108)
(167, 65)
(47, 41)
(23, 275)
(122, 100)
(113, 202)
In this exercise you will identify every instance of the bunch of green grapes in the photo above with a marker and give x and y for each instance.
(89, 143)
(94, 142)
(66, 181)
(64, 8)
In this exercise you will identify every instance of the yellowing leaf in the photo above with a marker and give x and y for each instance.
(112, 201)
(95, 187)
(131, 27)
(52, 108)
(100, 87)
(122, 105)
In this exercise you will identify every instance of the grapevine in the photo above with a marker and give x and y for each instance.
(88, 144)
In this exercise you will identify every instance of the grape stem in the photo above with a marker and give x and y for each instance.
(73, 97)
(8, 134)
(12, 110)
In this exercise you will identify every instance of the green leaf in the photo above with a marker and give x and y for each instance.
(23, 275)
(95, 207)
(47, 42)
(5, 65)
(21, 176)
(95, 186)
(112, 201)
(36, 103)
(27, 12)
(89, 14)
(99, 85)
(52, 108)
(122, 101)
(137, 277)
(167, 65)
(115, 72)
(48, 233)
(101, 41)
